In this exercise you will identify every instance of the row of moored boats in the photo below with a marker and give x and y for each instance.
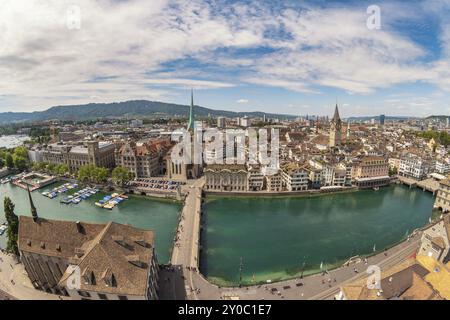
(109, 202)
(79, 196)
(59, 190)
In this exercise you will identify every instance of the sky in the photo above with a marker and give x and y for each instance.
(293, 57)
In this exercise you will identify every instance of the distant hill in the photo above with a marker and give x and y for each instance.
(368, 118)
(131, 109)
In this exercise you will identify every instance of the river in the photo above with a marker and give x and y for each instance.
(276, 236)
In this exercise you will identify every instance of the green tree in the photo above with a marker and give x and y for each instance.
(21, 152)
(62, 169)
(50, 167)
(1, 163)
(13, 226)
(100, 174)
(121, 175)
(85, 173)
(19, 162)
(9, 161)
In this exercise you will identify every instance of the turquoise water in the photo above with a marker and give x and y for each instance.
(159, 216)
(275, 236)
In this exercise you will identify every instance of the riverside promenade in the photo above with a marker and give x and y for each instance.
(186, 282)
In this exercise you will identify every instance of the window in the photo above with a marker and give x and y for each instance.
(123, 298)
(102, 296)
(84, 294)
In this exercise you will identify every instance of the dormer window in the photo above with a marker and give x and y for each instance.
(42, 245)
(29, 243)
(109, 278)
(88, 276)
(58, 247)
(136, 261)
(121, 241)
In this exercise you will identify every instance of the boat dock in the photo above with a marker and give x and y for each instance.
(109, 202)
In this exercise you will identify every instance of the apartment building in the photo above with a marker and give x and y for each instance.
(435, 241)
(371, 171)
(295, 177)
(415, 166)
(442, 201)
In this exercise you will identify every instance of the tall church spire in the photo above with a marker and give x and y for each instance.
(335, 128)
(191, 113)
(336, 116)
(33, 208)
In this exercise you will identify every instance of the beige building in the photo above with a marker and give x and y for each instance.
(274, 182)
(255, 178)
(100, 154)
(87, 260)
(435, 240)
(442, 201)
(144, 160)
(371, 171)
(226, 177)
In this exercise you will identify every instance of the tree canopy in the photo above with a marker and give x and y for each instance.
(13, 226)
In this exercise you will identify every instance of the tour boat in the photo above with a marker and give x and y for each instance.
(376, 188)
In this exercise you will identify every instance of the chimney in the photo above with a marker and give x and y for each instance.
(79, 227)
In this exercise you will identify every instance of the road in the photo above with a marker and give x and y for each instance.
(186, 247)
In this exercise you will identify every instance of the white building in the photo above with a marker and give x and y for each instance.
(442, 166)
(416, 167)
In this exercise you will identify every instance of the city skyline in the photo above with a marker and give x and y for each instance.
(291, 58)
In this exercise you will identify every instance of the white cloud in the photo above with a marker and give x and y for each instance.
(242, 101)
(132, 50)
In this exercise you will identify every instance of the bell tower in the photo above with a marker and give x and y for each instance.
(335, 129)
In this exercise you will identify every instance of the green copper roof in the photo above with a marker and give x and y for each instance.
(191, 113)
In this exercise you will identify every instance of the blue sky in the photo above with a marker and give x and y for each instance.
(295, 57)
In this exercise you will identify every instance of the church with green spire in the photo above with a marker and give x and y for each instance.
(190, 126)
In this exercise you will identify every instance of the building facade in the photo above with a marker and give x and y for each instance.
(295, 177)
(89, 261)
(144, 160)
(370, 172)
(100, 154)
(435, 241)
(415, 166)
(226, 177)
(442, 201)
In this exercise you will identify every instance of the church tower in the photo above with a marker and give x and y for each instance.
(190, 126)
(335, 129)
